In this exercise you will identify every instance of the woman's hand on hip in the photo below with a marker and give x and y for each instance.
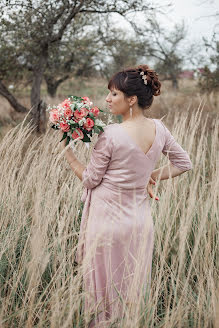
(150, 190)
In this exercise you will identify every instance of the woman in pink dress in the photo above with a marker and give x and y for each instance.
(117, 232)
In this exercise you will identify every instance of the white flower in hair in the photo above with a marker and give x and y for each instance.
(144, 78)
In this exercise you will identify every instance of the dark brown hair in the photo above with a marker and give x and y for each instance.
(130, 82)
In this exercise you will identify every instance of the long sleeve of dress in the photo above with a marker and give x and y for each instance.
(176, 154)
(99, 161)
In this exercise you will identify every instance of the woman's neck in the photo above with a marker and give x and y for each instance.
(137, 115)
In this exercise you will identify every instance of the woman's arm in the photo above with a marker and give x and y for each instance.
(179, 162)
(76, 166)
(162, 173)
(92, 175)
(166, 172)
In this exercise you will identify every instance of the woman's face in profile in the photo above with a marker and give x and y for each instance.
(117, 102)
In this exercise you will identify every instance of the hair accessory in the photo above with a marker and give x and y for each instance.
(144, 77)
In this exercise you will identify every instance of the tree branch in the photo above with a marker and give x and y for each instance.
(11, 99)
(75, 10)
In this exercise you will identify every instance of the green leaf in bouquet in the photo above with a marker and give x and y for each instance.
(76, 98)
(100, 127)
(54, 127)
(74, 125)
(92, 115)
(73, 129)
(96, 129)
(64, 136)
(68, 140)
(89, 132)
(86, 138)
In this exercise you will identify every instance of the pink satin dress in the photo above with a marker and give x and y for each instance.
(117, 232)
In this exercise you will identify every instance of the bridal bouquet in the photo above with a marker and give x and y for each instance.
(77, 118)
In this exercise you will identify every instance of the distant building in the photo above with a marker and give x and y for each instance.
(191, 74)
(187, 74)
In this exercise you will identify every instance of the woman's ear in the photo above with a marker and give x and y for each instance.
(132, 100)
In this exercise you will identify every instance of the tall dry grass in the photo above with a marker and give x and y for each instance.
(40, 211)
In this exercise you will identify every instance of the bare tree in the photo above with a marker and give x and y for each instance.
(164, 47)
(209, 77)
(39, 25)
(76, 57)
(117, 50)
(11, 69)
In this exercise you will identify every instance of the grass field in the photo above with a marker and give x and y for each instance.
(188, 98)
(40, 211)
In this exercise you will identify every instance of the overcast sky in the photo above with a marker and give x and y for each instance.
(199, 17)
(197, 14)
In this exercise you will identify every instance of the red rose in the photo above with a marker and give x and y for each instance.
(79, 115)
(68, 112)
(54, 115)
(95, 110)
(86, 100)
(64, 126)
(66, 104)
(77, 134)
(88, 124)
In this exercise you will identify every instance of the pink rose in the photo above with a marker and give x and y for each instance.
(86, 100)
(95, 110)
(66, 104)
(54, 115)
(79, 115)
(77, 134)
(68, 112)
(88, 124)
(64, 126)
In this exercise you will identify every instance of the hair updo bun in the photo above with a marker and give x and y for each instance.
(132, 82)
(152, 79)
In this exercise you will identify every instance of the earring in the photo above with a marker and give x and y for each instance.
(130, 111)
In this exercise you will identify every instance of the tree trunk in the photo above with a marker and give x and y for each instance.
(38, 108)
(52, 84)
(11, 99)
(40, 117)
(52, 89)
(175, 84)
